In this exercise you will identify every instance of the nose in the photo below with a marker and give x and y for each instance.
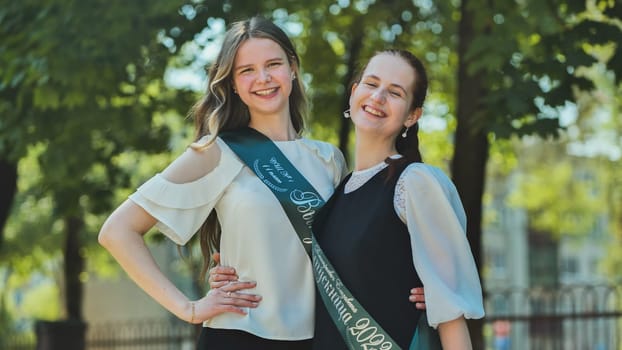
(379, 95)
(264, 75)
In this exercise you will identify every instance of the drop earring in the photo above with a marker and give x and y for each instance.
(346, 113)
(405, 133)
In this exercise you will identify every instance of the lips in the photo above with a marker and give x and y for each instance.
(373, 111)
(266, 92)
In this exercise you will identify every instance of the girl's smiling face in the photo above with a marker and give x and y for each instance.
(262, 77)
(382, 100)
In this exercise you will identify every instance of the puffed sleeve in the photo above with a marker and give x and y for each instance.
(331, 156)
(441, 254)
(181, 208)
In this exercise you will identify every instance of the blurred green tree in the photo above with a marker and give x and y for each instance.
(82, 82)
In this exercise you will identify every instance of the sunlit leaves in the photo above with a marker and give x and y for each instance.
(558, 200)
(33, 308)
(536, 42)
(81, 82)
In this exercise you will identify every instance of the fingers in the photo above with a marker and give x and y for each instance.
(220, 280)
(241, 299)
(231, 298)
(417, 290)
(219, 277)
(216, 258)
(217, 302)
(219, 284)
(235, 290)
(417, 296)
(221, 274)
(235, 286)
(234, 298)
(232, 286)
(222, 270)
(234, 294)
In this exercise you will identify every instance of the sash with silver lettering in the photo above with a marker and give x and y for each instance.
(358, 329)
(301, 201)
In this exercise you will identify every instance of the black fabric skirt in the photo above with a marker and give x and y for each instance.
(231, 339)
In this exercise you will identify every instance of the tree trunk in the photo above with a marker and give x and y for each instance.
(74, 266)
(468, 165)
(355, 51)
(69, 334)
(8, 188)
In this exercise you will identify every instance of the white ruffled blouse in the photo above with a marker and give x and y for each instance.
(257, 237)
(428, 203)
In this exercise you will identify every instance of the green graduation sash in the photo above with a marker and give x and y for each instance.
(301, 201)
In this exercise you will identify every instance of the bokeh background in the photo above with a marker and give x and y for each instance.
(523, 112)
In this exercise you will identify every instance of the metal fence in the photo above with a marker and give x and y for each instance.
(157, 335)
(565, 318)
(128, 335)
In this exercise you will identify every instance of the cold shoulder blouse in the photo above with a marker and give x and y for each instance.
(257, 237)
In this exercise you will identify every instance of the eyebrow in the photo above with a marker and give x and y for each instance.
(374, 77)
(250, 65)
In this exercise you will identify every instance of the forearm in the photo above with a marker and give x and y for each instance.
(127, 246)
(455, 335)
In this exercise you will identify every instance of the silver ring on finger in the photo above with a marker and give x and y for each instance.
(229, 294)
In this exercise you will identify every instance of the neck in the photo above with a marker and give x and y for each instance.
(370, 150)
(277, 128)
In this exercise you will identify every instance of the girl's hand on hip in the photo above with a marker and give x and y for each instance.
(219, 275)
(229, 298)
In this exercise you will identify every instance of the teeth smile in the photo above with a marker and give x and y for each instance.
(373, 111)
(265, 92)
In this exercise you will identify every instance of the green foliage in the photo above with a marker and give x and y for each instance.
(503, 159)
(612, 183)
(596, 134)
(342, 38)
(571, 186)
(557, 200)
(6, 319)
(80, 83)
(33, 231)
(529, 57)
(436, 141)
(33, 308)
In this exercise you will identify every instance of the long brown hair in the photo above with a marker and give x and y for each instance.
(221, 109)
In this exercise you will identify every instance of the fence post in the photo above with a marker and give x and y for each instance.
(60, 335)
